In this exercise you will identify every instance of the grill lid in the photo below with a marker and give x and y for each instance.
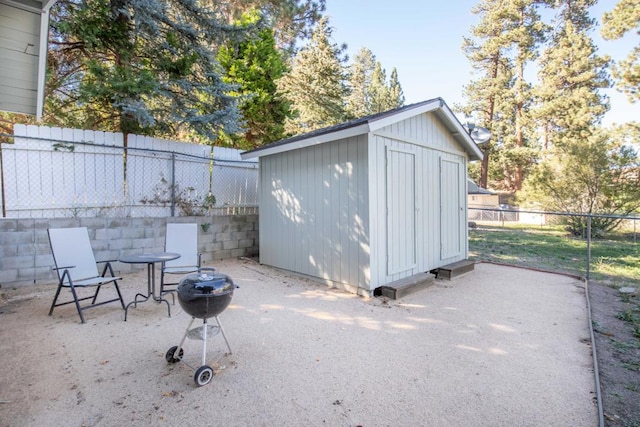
(205, 295)
(204, 285)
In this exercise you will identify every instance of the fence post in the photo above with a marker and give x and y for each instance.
(588, 245)
(173, 184)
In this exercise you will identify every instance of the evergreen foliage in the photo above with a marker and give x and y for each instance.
(369, 91)
(585, 169)
(360, 71)
(141, 66)
(487, 50)
(599, 175)
(291, 20)
(315, 85)
(571, 74)
(254, 66)
(625, 17)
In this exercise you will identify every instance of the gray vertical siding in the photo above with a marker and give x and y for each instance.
(324, 209)
(314, 211)
(20, 35)
(427, 137)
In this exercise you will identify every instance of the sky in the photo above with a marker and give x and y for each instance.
(422, 39)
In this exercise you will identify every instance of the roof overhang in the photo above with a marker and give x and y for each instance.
(22, 78)
(372, 124)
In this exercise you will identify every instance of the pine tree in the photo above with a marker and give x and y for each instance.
(378, 90)
(487, 51)
(255, 65)
(360, 71)
(369, 91)
(583, 170)
(396, 95)
(571, 73)
(142, 66)
(524, 32)
(315, 85)
(291, 20)
(625, 17)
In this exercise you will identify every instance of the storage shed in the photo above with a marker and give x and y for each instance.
(368, 202)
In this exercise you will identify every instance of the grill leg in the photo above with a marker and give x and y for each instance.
(224, 335)
(204, 341)
(184, 337)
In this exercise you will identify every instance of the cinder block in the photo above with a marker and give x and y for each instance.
(223, 237)
(17, 237)
(239, 235)
(41, 224)
(19, 262)
(63, 223)
(221, 254)
(245, 243)
(235, 253)
(248, 226)
(9, 251)
(41, 237)
(132, 233)
(118, 244)
(26, 274)
(25, 225)
(7, 225)
(212, 247)
(92, 223)
(230, 244)
(8, 276)
(42, 248)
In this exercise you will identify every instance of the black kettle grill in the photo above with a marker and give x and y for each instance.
(202, 295)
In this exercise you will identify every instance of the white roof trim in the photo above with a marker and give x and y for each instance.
(308, 142)
(437, 106)
(23, 6)
(382, 122)
(460, 134)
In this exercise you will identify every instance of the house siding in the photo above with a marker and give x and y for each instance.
(20, 33)
(314, 212)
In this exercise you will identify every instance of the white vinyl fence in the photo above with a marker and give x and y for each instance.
(53, 172)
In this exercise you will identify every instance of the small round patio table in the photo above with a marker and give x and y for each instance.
(150, 259)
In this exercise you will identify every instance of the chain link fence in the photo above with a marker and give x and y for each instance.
(553, 241)
(92, 174)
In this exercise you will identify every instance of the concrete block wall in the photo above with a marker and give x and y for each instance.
(25, 254)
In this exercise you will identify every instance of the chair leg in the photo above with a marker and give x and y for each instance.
(75, 299)
(108, 267)
(162, 291)
(95, 296)
(55, 298)
(115, 282)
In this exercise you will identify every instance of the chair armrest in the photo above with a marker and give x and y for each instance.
(63, 268)
(107, 261)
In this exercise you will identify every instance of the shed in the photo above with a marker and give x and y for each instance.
(368, 202)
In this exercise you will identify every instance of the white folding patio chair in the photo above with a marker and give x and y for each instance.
(181, 239)
(77, 268)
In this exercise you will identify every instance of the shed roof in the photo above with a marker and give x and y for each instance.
(370, 124)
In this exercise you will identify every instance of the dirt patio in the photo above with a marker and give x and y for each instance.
(499, 346)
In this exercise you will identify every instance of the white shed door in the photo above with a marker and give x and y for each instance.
(451, 209)
(401, 212)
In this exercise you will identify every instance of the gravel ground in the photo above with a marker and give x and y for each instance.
(499, 346)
